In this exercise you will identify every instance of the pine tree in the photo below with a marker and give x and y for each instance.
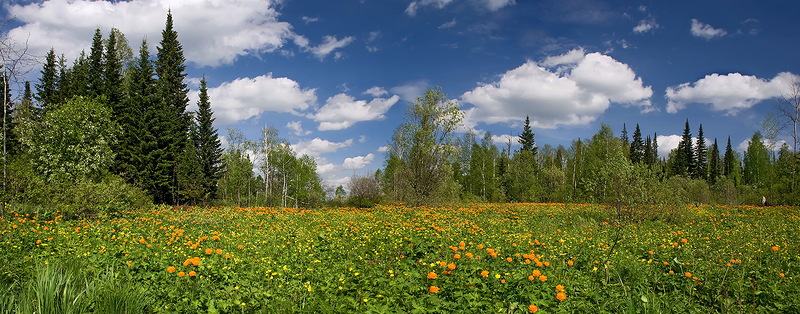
(526, 139)
(209, 148)
(701, 160)
(637, 147)
(47, 88)
(654, 156)
(624, 137)
(714, 163)
(648, 151)
(78, 78)
(173, 120)
(62, 83)
(96, 69)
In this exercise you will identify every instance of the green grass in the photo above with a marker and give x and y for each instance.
(643, 260)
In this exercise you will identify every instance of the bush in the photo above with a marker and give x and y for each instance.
(364, 192)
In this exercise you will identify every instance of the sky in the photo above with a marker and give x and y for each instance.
(336, 77)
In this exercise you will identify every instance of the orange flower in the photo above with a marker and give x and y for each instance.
(432, 275)
(531, 278)
(509, 259)
(775, 248)
(560, 288)
(196, 261)
(536, 273)
(480, 246)
(187, 262)
(468, 255)
(171, 269)
(219, 251)
(434, 289)
(457, 256)
(533, 308)
(684, 240)
(209, 251)
(561, 296)
(451, 266)
(485, 273)
(688, 274)
(546, 263)
(671, 271)
(542, 278)
(782, 275)
(570, 262)
(227, 256)
(181, 274)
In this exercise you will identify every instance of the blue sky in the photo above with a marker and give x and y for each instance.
(335, 77)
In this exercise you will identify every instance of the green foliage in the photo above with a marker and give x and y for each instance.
(208, 146)
(73, 141)
(47, 88)
(365, 192)
(526, 138)
(757, 166)
(421, 151)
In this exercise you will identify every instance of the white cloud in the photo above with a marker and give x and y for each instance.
(383, 149)
(729, 93)
(212, 32)
(576, 93)
(317, 146)
(646, 25)
(310, 20)
(410, 91)
(329, 44)
(706, 31)
(504, 138)
(373, 36)
(362, 139)
(375, 91)
(746, 143)
(341, 111)
(448, 24)
(666, 143)
(297, 128)
(412, 8)
(494, 5)
(245, 98)
(358, 162)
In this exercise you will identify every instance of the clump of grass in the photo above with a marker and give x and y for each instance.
(111, 295)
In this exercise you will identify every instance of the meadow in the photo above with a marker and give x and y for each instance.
(510, 258)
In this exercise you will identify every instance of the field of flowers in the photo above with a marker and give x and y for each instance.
(513, 258)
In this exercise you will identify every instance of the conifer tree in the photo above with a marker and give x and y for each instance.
(701, 158)
(96, 69)
(112, 75)
(138, 117)
(654, 147)
(637, 147)
(209, 148)
(47, 88)
(526, 139)
(728, 160)
(684, 162)
(648, 151)
(173, 120)
(713, 163)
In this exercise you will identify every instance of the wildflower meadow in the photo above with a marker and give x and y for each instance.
(510, 258)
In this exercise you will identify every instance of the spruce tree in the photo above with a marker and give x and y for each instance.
(684, 163)
(526, 139)
(701, 160)
(112, 75)
(173, 120)
(714, 163)
(209, 148)
(637, 147)
(96, 69)
(648, 151)
(728, 160)
(47, 88)
(138, 117)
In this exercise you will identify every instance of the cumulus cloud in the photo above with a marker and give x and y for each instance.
(383, 149)
(666, 143)
(494, 5)
(297, 128)
(646, 25)
(729, 93)
(341, 111)
(330, 44)
(776, 145)
(706, 31)
(375, 91)
(212, 32)
(491, 5)
(358, 162)
(579, 89)
(245, 98)
(411, 90)
(317, 146)
(504, 138)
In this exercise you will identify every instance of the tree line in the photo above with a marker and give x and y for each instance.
(428, 163)
(112, 130)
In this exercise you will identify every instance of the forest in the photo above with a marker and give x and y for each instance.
(110, 131)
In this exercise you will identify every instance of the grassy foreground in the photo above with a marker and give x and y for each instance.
(469, 258)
